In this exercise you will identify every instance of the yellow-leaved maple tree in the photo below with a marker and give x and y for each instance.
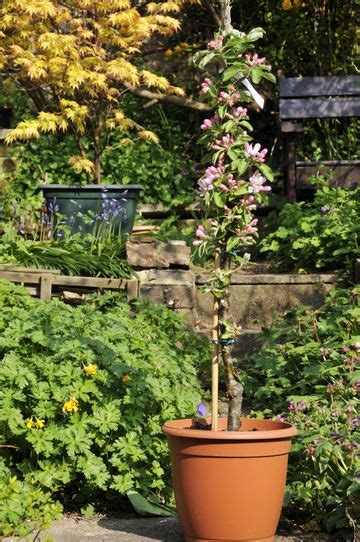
(75, 59)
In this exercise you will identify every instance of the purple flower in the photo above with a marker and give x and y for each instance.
(201, 409)
(292, 406)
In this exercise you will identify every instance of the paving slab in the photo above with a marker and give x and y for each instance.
(112, 529)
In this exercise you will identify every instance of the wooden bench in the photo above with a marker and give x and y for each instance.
(316, 98)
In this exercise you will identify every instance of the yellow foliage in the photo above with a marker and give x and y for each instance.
(24, 130)
(81, 62)
(165, 7)
(176, 90)
(152, 80)
(147, 134)
(122, 70)
(80, 164)
(123, 18)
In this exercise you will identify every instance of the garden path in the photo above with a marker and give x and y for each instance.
(111, 529)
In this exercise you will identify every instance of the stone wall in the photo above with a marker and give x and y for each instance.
(165, 277)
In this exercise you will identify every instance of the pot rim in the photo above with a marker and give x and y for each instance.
(90, 187)
(279, 431)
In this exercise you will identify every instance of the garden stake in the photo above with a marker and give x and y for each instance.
(215, 356)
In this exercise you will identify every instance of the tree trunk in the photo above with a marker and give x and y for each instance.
(234, 388)
(226, 15)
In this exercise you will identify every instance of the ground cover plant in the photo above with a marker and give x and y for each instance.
(307, 372)
(84, 393)
(314, 236)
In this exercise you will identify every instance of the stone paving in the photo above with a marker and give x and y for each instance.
(111, 529)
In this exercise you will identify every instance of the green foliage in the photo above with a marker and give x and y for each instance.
(318, 235)
(166, 171)
(85, 391)
(25, 509)
(307, 373)
(77, 255)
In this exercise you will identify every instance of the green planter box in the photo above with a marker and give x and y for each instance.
(73, 201)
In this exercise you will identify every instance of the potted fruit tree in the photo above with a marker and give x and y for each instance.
(75, 60)
(229, 475)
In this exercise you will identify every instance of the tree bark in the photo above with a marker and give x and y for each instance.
(176, 100)
(226, 15)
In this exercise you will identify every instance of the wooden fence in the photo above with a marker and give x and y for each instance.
(48, 283)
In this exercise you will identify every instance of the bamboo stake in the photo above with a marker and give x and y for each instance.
(215, 356)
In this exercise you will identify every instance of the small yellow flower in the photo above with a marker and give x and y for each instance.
(71, 406)
(169, 52)
(90, 369)
(126, 378)
(39, 423)
(184, 44)
(296, 2)
(30, 423)
(286, 5)
(178, 49)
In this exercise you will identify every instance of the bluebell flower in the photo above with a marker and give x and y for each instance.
(201, 409)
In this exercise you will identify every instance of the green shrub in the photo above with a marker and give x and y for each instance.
(307, 372)
(318, 235)
(25, 509)
(84, 391)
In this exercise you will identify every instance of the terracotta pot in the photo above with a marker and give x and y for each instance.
(229, 485)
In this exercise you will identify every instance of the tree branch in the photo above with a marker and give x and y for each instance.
(175, 100)
(214, 13)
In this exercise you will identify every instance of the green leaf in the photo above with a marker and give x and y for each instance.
(269, 76)
(266, 171)
(255, 34)
(233, 70)
(146, 508)
(218, 200)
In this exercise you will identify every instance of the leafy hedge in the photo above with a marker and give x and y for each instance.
(318, 235)
(84, 392)
(307, 371)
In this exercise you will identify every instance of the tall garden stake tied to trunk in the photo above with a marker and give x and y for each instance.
(246, 458)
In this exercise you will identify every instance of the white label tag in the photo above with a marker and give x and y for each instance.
(254, 93)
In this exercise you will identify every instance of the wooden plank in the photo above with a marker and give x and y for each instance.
(291, 127)
(132, 289)
(90, 282)
(337, 85)
(25, 277)
(343, 175)
(290, 150)
(313, 108)
(11, 267)
(4, 132)
(46, 287)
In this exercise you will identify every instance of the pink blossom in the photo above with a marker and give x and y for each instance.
(257, 184)
(200, 232)
(223, 143)
(240, 112)
(255, 61)
(215, 44)
(206, 124)
(205, 185)
(253, 152)
(205, 85)
(223, 187)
